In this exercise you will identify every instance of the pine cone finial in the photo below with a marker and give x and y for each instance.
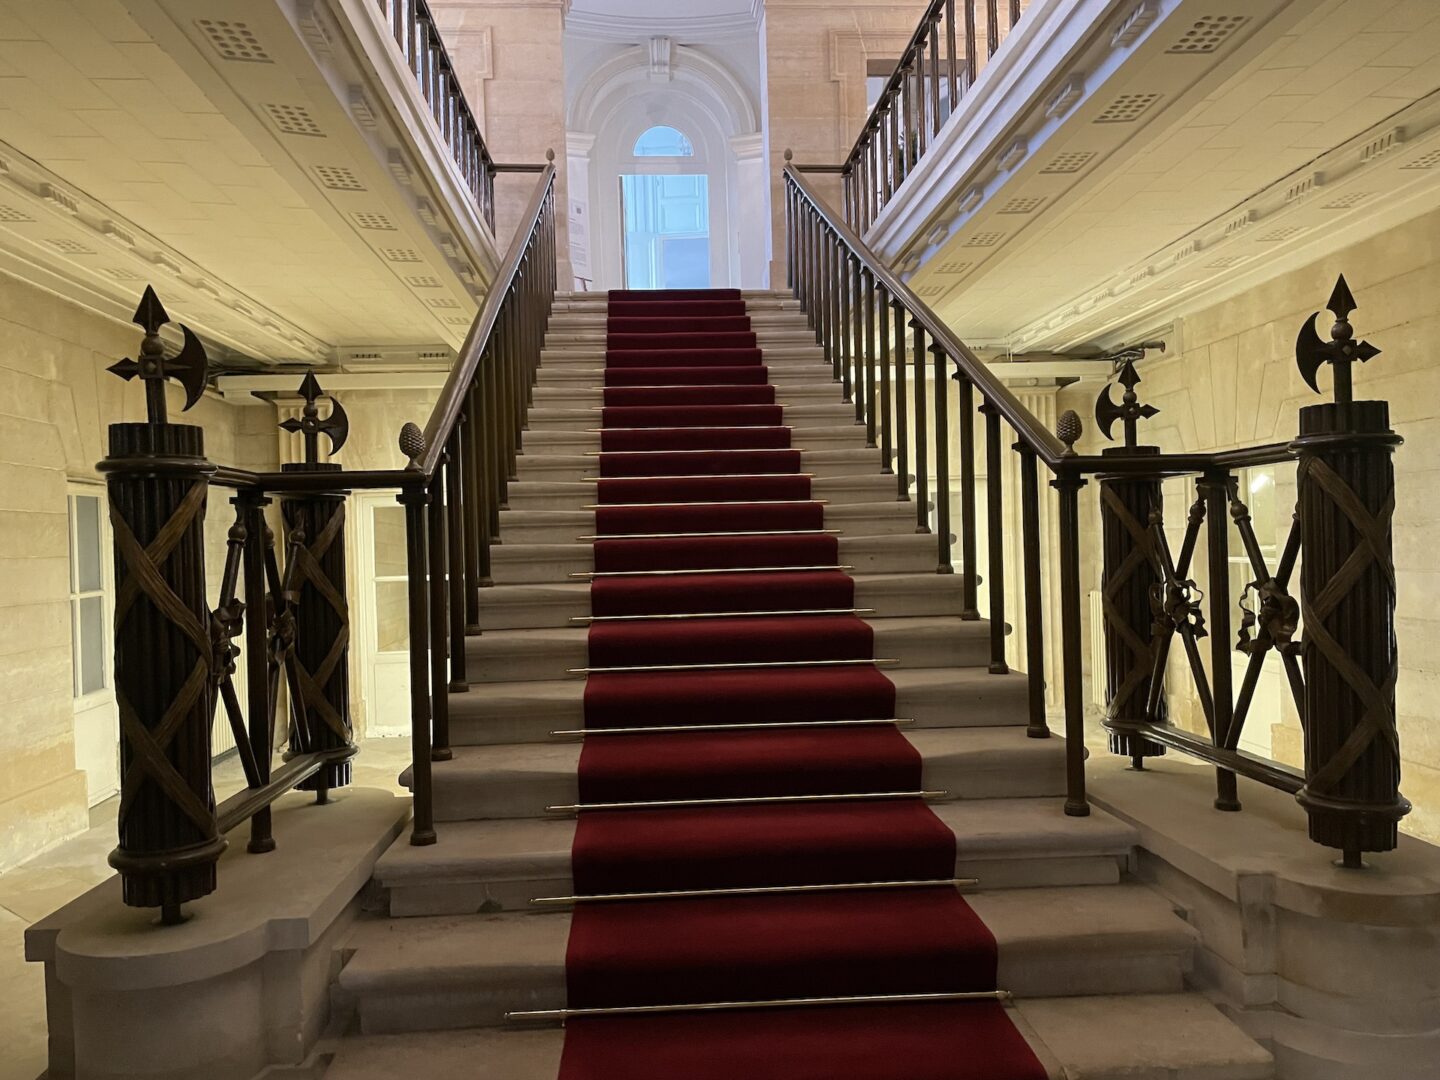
(1069, 429)
(412, 444)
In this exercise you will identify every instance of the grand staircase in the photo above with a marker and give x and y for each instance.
(734, 794)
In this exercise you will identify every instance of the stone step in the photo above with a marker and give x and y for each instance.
(934, 698)
(519, 564)
(575, 496)
(555, 419)
(1112, 1037)
(561, 468)
(820, 390)
(766, 334)
(592, 354)
(515, 607)
(574, 441)
(781, 372)
(439, 972)
(512, 656)
(760, 319)
(488, 866)
(520, 779)
(568, 526)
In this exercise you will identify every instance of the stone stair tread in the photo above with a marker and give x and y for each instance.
(1110, 1037)
(522, 956)
(985, 828)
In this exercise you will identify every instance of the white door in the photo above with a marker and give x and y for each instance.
(383, 615)
(97, 722)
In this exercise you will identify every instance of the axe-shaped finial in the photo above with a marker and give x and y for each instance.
(309, 424)
(1129, 410)
(189, 366)
(1340, 352)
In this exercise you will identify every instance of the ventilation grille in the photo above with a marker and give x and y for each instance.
(401, 255)
(338, 178)
(1345, 202)
(457, 320)
(234, 41)
(9, 213)
(1424, 161)
(70, 247)
(1024, 205)
(1281, 234)
(419, 281)
(1069, 163)
(1208, 34)
(442, 302)
(121, 274)
(374, 222)
(954, 268)
(985, 239)
(1127, 108)
(931, 290)
(294, 120)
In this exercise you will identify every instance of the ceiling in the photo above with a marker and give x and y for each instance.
(201, 145)
(1319, 127)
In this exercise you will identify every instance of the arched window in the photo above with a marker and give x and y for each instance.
(663, 141)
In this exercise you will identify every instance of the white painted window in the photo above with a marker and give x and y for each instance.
(97, 735)
(663, 141)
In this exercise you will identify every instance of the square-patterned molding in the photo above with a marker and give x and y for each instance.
(338, 178)
(1276, 236)
(294, 120)
(70, 247)
(458, 320)
(1015, 153)
(119, 273)
(401, 255)
(1424, 161)
(442, 302)
(12, 216)
(1241, 223)
(1127, 108)
(60, 199)
(1348, 202)
(931, 290)
(1208, 34)
(372, 221)
(954, 268)
(1071, 162)
(985, 239)
(1071, 91)
(1023, 204)
(422, 281)
(1304, 187)
(234, 41)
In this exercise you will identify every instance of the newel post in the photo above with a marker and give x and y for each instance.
(157, 479)
(315, 545)
(1347, 601)
(1130, 577)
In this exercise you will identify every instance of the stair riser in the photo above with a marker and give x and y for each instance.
(523, 564)
(482, 717)
(766, 334)
(538, 443)
(514, 893)
(833, 490)
(820, 392)
(563, 533)
(790, 352)
(781, 374)
(1129, 968)
(503, 609)
(565, 468)
(494, 659)
(588, 419)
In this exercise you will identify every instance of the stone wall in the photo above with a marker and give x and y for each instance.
(56, 400)
(1230, 380)
(510, 56)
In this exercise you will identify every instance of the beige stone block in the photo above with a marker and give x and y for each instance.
(29, 581)
(42, 815)
(33, 535)
(22, 626)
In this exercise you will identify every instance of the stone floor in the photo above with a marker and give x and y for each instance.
(33, 889)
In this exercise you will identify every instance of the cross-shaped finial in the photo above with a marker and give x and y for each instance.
(189, 367)
(309, 424)
(1129, 410)
(1342, 350)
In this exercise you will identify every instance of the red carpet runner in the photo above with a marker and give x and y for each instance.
(694, 444)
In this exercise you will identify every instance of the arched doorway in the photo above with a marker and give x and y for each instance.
(665, 215)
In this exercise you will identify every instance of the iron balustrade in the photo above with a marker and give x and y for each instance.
(891, 355)
(175, 655)
(418, 38)
(936, 69)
